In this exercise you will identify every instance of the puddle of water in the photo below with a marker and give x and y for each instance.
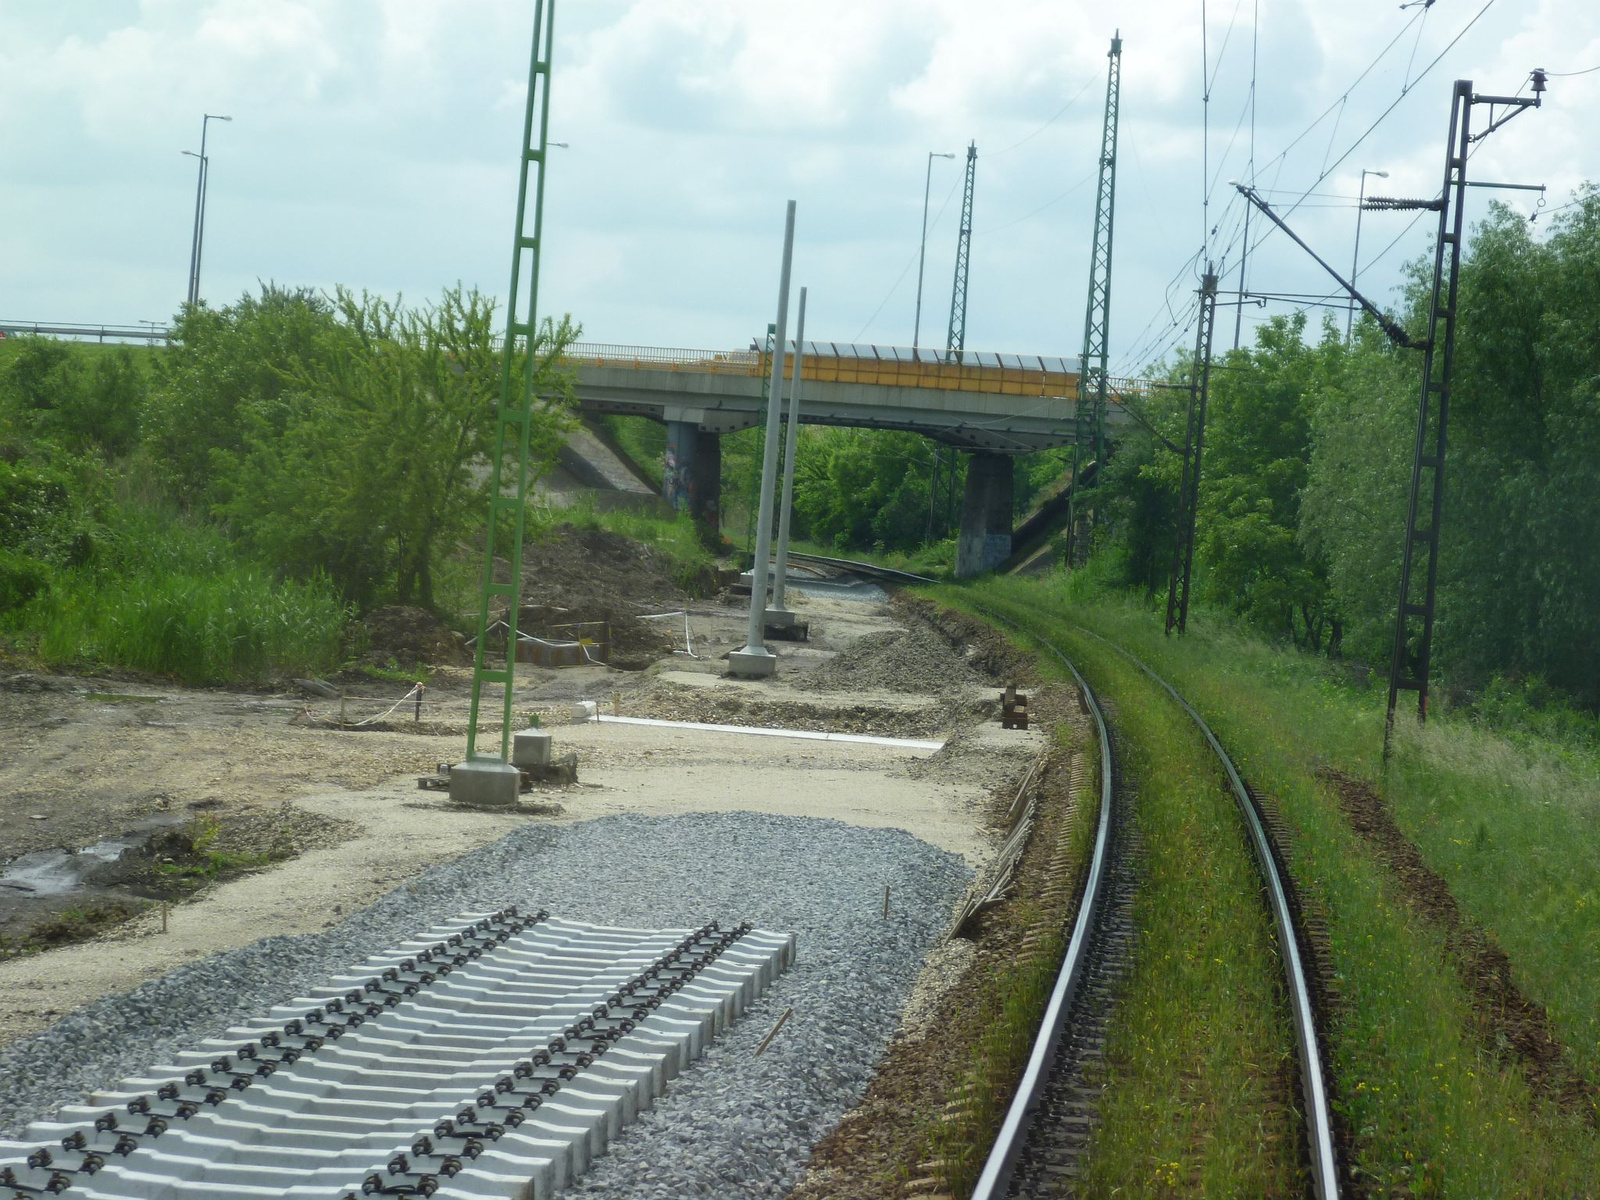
(56, 872)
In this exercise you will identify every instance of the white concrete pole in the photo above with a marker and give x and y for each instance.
(780, 573)
(755, 658)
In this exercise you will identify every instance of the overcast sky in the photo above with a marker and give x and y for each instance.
(374, 144)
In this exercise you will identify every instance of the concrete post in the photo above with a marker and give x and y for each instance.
(755, 659)
(705, 480)
(985, 538)
(692, 471)
(779, 613)
(678, 462)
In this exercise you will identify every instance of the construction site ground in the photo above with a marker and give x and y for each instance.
(260, 813)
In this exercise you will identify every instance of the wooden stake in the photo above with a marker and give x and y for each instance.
(886, 902)
(773, 1032)
(163, 916)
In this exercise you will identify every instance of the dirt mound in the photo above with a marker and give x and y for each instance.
(917, 660)
(411, 636)
(574, 568)
(595, 575)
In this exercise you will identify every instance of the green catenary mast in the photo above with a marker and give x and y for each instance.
(489, 777)
(1089, 434)
(956, 340)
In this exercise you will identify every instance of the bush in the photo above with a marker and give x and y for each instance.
(21, 579)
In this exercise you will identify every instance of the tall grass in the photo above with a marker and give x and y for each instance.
(173, 598)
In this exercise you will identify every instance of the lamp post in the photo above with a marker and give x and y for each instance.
(198, 238)
(1355, 255)
(922, 253)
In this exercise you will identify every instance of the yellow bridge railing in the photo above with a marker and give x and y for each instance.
(888, 366)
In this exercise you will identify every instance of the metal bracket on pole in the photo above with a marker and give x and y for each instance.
(1396, 333)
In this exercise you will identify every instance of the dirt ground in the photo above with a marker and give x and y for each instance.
(327, 819)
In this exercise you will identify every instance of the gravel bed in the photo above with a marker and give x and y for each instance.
(734, 1125)
(910, 660)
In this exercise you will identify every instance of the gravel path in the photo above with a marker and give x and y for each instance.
(733, 1126)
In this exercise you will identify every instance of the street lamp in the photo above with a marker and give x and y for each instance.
(198, 239)
(1355, 255)
(922, 253)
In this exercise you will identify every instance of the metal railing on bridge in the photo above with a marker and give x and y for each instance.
(150, 331)
(848, 362)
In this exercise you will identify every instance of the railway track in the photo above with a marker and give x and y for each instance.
(1048, 1125)
(492, 1057)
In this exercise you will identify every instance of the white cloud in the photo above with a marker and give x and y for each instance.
(374, 144)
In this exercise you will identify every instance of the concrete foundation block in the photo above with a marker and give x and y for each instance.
(485, 784)
(752, 664)
(785, 626)
(530, 748)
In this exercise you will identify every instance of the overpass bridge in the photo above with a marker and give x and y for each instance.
(992, 406)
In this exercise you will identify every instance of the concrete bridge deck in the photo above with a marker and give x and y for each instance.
(995, 403)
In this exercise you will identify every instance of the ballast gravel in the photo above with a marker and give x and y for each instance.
(734, 1125)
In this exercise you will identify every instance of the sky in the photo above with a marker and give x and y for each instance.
(374, 144)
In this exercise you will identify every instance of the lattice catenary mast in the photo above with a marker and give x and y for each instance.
(489, 776)
(956, 341)
(1090, 423)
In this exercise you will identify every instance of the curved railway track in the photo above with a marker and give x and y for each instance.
(1046, 1128)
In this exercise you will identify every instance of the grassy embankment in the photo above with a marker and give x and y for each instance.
(176, 597)
(169, 596)
(1435, 1106)
(1197, 1097)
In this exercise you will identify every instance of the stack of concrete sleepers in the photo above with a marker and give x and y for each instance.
(494, 1056)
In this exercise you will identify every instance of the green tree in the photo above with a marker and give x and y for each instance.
(1258, 442)
(53, 392)
(223, 361)
(368, 459)
(1352, 511)
(863, 487)
(1521, 560)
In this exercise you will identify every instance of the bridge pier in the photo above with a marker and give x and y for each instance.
(984, 541)
(692, 478)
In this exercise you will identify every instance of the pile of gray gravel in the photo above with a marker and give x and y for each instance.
(911, 660)
(733, 1125)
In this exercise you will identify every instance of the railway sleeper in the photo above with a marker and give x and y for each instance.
(495, 1056)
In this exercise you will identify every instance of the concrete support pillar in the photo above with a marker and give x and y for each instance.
(692, 478)
(985, 538)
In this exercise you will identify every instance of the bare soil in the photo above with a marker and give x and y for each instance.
(258, 814)
(1509, 1025)
(401, 636)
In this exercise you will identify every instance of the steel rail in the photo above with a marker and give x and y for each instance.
(861, 568)
(1319, 1119)
(1321, 1149)
(996, 1176)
